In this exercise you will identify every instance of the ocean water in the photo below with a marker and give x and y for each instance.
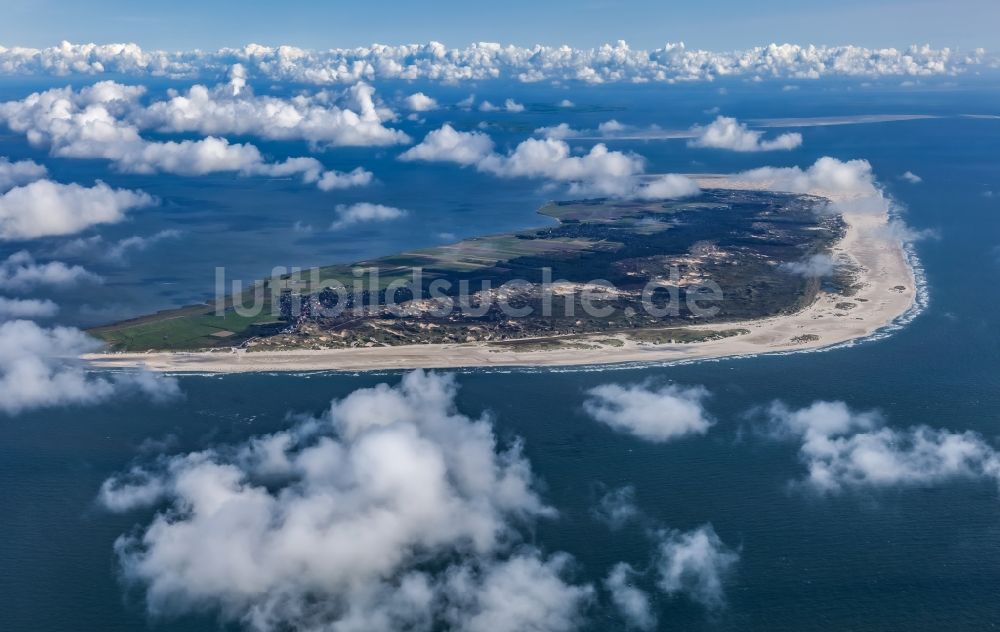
(914, 558)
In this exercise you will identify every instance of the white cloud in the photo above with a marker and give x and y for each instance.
(695, 563)
(14, 174)
(728, 133)
(849, 184)
(843, 449)
(566, 103)
(365, 212)
(898, 230)
(597, 172)
(91, 123)
(561, 131)
(391, 511)
(14, 308)
(420, 102)
(669, 186)
(449, 145)
(484, 61)
(655, 414)
(233, 109)
(137, 243)
(331, 180)
(818, 265)
(911, 177)
(45, 208)
(196, 158)
(827, 174)
(610, 127)
(39, 368)
(20, 272)
(522, 593)
(633, 603)
(617, 507)
(96, 247)
(510, 105)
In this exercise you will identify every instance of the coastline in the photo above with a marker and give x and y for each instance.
(878, 255)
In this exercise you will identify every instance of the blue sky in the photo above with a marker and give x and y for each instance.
(715, 25)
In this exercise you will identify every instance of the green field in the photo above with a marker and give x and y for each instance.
(191, 328)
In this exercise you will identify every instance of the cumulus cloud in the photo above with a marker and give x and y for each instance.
(610, 127)
(695, 563)
(846, 449)
(233, 109)
(91, 123)
(561, 131)
(613, 129)
(20, 272)
(420, 102)
(522, 593)
(332, 180)
(14, 174)
(14, 308)
(654, 414)
(39, 368)
(849, 184)
(450, 145)
(137, 243)
(393, 510)
(45, 208)
(97, 247)
(365, 212)
(509, 105)
(668, 186)
(827, 174)
(911, 177)
(597, 172)
(566, 103)
(818, 265)
(728, 133)
(617, 507)
(484, 61)
(900, 231)
(633, 603)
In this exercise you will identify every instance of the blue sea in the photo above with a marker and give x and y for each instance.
(908, 558)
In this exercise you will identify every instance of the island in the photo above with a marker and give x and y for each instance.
(738, 270)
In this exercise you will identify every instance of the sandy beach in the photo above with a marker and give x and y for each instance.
(887, 291)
